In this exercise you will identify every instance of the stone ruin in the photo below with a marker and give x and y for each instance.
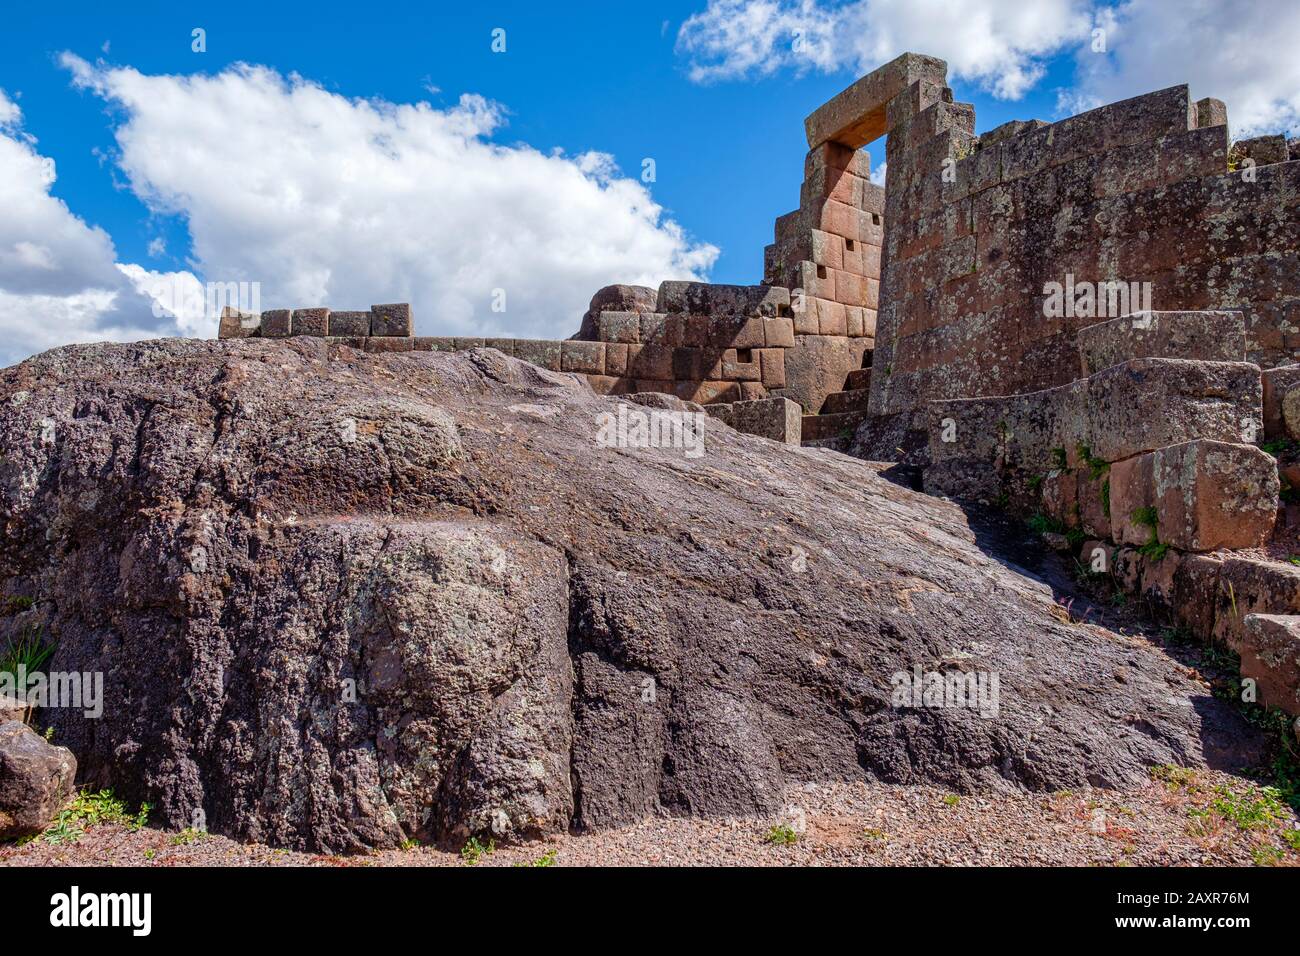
(1094, 323)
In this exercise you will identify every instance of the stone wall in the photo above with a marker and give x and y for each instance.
(1149, 470)
(1136, 192)
(644, 352)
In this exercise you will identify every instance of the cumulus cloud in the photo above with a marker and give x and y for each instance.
(324, 199)
(59, 279)
(1242, 53)
(999, 45)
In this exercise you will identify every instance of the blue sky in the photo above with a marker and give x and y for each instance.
(578, 77)
(601, 76)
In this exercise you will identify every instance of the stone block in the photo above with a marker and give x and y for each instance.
(1133, 516)
(1211, 112)
(350, 323)
(465, 343)
(1094, 502)
(661, 329)
(619, 326)
(857, 115)
(355, 341)
(1251, 586)
(588, 357)
(709, 392)
(390, 343)
(1205, 336)
(435, 343)
(1196, 589)
(778, 332)
(310, 322)
(543, 353)
(505, 346)
(1060, 497)
(1270, 655)
(702, 298)
(697, 331)
(276, 324)
(610, 384)
(736, 370)
(1211, 495)
(392, 319)
(772, 367)
(752, 334)
(1146, 404)
(1262, 150)
(616, 358)
(1277, 382)
(650, 362)
(832, 317)
(238, 325)
(837, 156)
(778, 419)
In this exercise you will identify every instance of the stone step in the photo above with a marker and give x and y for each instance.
(858, 378)
(816, 427)
(850, 401)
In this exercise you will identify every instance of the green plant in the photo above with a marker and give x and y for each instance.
(28, 652)
(1174, 777)
(1154, 549)
(474, 851)
(1105, 497)
(1146, 515)
(410, 843)
(1266, 855)
(1059, 459)
(1040, 523)
(1294, 559)
(1035, 482)
(1292, 839)
(1097, 467)
(1254, 808)
(546, 859)
(951, 800)
(189, 835)
(91, 809)
(782, 835)
(14, 604)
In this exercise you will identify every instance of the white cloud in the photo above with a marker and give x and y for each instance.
(346, 202)
(1243, 53)
(999, 45)
(58, 277)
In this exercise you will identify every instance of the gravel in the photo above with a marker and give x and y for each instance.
(1159, 824)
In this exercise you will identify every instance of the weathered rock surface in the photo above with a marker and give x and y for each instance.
(35, 780)
(342, 598)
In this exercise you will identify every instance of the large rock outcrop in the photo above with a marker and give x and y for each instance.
(341, 598)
